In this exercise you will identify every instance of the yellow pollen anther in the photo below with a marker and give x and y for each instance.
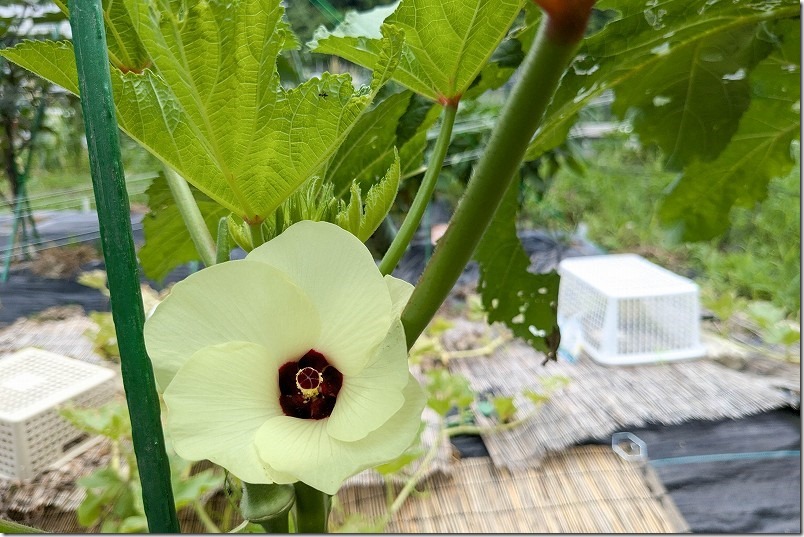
(309, 380)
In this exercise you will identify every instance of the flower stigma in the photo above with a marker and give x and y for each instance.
(308, 388)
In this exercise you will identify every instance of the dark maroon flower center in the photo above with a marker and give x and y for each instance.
(308, 388)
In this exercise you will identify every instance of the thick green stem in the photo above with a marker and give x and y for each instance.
(414, 216)
(541, 73)
(257, 237)
(114, 215)
(312, 509)
(191, 214)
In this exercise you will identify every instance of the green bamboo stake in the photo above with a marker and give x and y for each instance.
(541, 72)
(92, 62)
(22, 203)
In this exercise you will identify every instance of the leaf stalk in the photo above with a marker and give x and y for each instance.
(191, 214)
(425, 192)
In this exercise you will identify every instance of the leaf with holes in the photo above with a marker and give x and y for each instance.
(666, 49)
(524, 301)
(699, 203)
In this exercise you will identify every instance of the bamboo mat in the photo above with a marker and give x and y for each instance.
(586, 489)
(600, 400)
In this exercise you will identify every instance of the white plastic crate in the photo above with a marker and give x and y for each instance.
(33, 383)
(622, 309)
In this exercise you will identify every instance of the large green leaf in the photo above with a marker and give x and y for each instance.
(657, 48)
(698, 206)
(690, 105)
(211, 105)
(447, 42)
(167, 242)
(524, 301)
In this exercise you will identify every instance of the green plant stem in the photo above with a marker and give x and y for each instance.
(414, 479)
(541, 72)
(203, 516)
(312, 509)
(414, 216)
(114, 215)
(257, 237)
(7, 526)
(485, 350)
(191, 214)
(474, 429)
(433, 451)
(226, 517)
(276, 525)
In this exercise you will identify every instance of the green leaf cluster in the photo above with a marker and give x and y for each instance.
(446, 391)
(774, 327)
(210, 103)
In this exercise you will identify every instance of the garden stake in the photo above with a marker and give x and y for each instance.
(92, 62)
(23, 203)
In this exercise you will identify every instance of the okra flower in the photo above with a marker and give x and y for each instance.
(289, 365)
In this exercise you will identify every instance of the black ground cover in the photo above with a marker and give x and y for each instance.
(736, 476)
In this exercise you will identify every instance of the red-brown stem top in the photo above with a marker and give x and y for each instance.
(567, 19)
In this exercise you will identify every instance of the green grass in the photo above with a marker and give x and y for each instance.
(615, 198)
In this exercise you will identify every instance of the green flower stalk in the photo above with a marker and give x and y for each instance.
(289, 365)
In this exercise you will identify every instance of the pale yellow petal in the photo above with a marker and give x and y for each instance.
(368, 399)
(340, 276)
(234, 301)
(216, 403)
(400, 291)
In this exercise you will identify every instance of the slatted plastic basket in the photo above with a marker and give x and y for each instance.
(33, 384)
(622, 309)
